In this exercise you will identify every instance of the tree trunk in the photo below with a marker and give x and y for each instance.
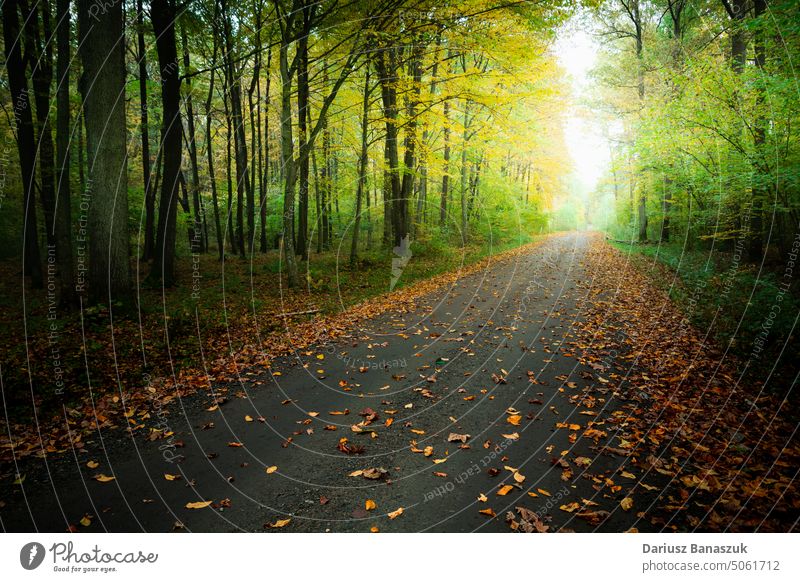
(149, 191)
(63, 198)
(228, 169)
(755, 249)
(386, 65)
(362, 171)
(196, 242)
(209, 151)
(162, 13)
(446, 174)
(410, 140)
(243, 186)
(20, 98)
(302, 133)
(287, 155)
(103, 88)
(265, 176)
(465, 141)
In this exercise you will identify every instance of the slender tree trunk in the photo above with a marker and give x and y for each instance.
(149, 191)
(362, 171)
(265, 177)
(57, 223)
(465, 141)
(325, 190)
(410, 141)
(210, 152)
(63, 197)
(162, 13)
(229, 172)
(41, 80)
(20, 98)
(287, 154)
(243, 186)
(255, 129)
(317, 199)
(302, 132)
(446, 171)
(103, 89)
(196, 241)
(756, 246)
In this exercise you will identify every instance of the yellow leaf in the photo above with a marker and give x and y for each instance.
(512, 437)
(271, 469)
(428, 451)
(505, 489)
(103, 478)
(532, 494)
(488, 511)
(280, 523)
(544, 492)
(86, 521)
(93, 464)
(437, 461)
(626, 503)
(519, 477)
(514, 419)
(374, 529)
(313, 413)
(169, 477)
(482, 498)
(198, 504)
(628, 475)
(248, 418)
(370, 505)
(397, 513)
(320, 356)
(570, 507)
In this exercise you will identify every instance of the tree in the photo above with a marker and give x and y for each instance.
(20, 98)
(162, 15)
(63, 211)
(149, 192)
(102, 86)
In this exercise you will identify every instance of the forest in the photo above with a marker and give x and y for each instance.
(194, 194)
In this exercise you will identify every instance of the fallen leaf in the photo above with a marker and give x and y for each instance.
(626, 503)
(396, 513)
(280, 523)
(514, 419)
(103, 478)
(370, 505)
(488, 511)
(271, 469)
(505, 489)
(198, 504)
(93, 464)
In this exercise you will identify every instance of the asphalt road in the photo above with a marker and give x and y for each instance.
(434, 370)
